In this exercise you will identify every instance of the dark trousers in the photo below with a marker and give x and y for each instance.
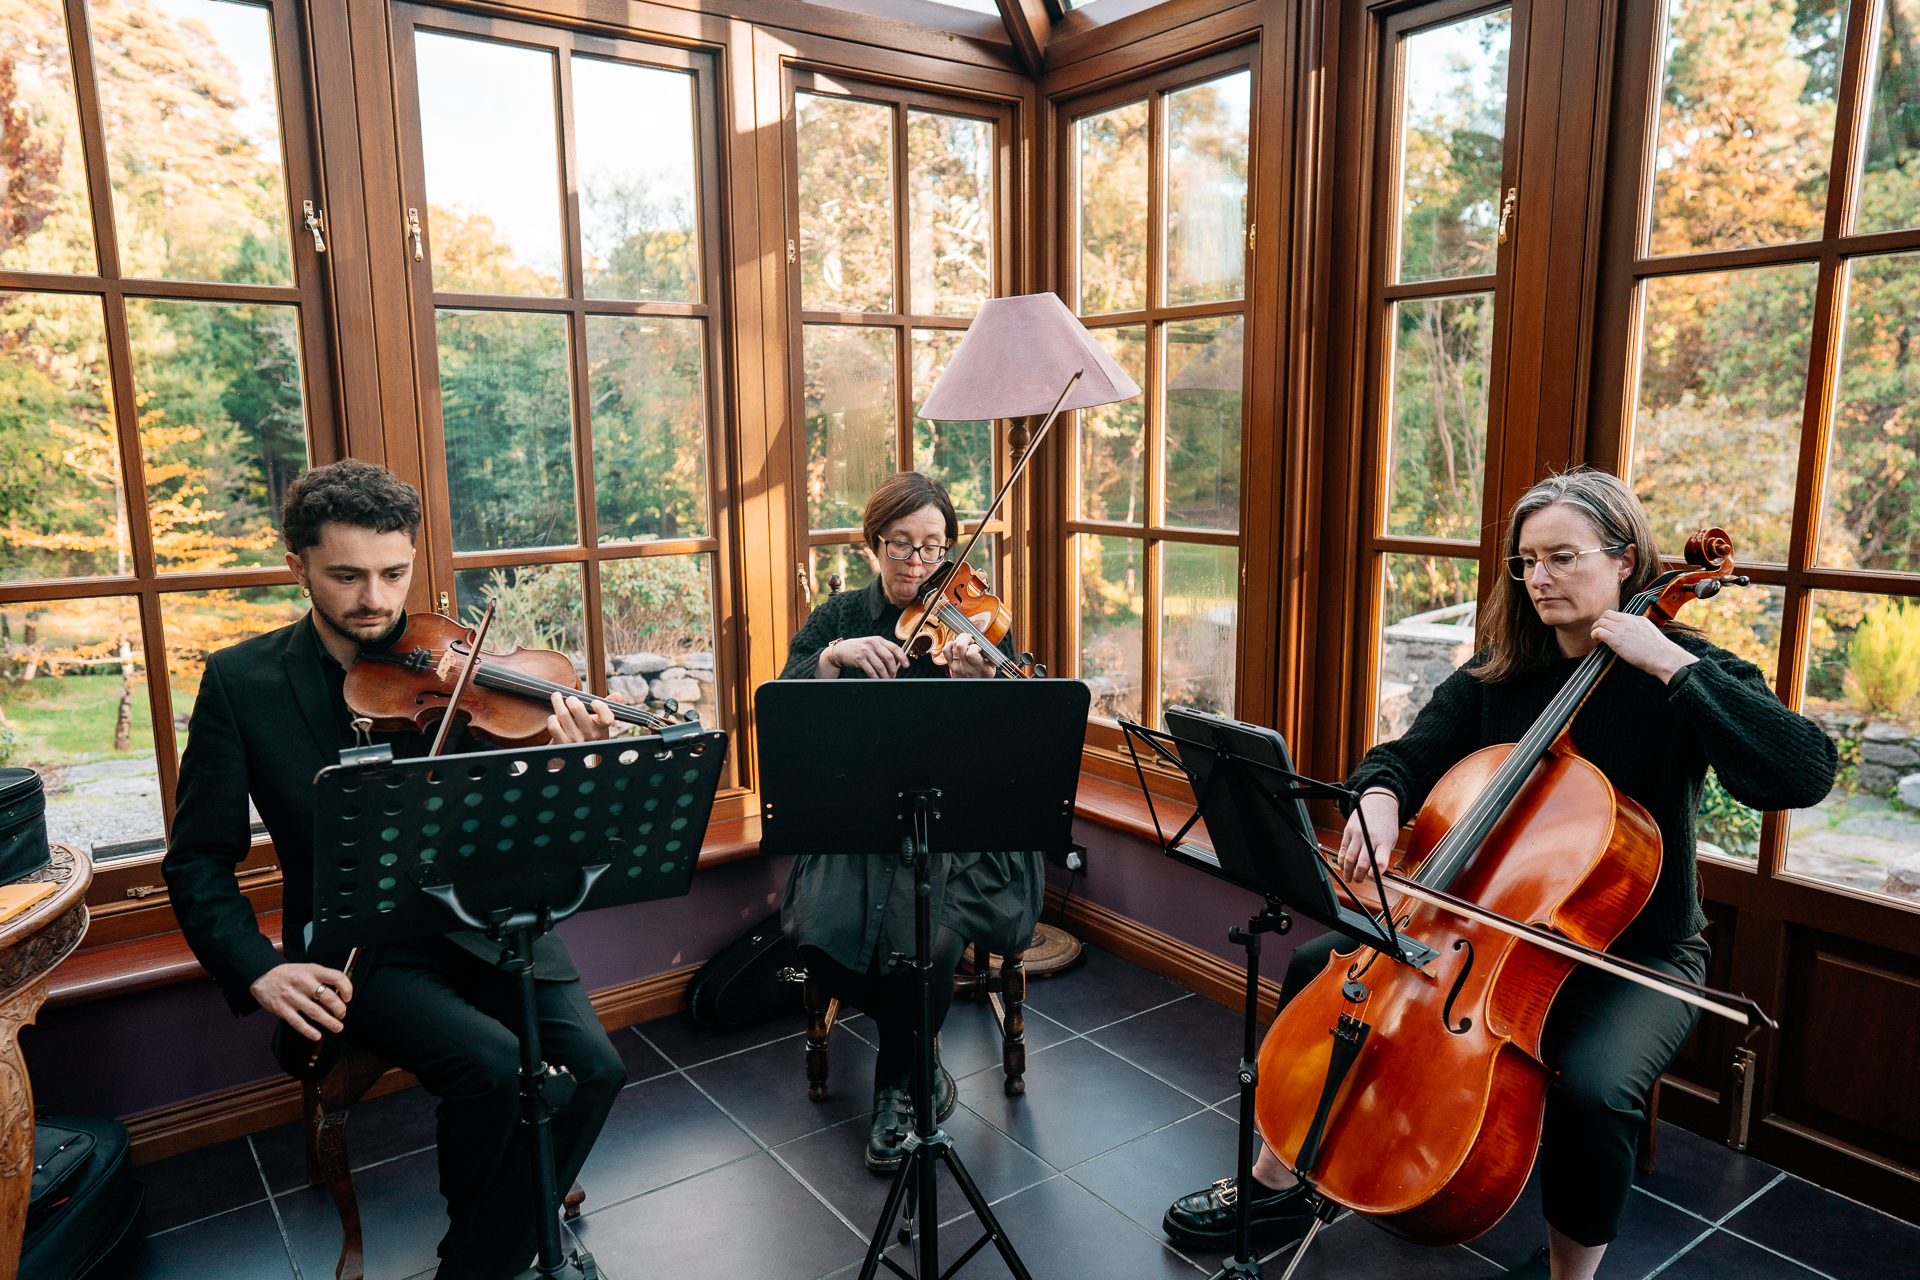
(891, 997)
(449, 1018)
(1609, 1040)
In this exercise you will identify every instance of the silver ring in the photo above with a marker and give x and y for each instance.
(319, 991)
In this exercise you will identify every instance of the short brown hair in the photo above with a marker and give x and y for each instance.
(901, 494)
(348, 492)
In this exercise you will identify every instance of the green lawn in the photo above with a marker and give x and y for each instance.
(66, 720)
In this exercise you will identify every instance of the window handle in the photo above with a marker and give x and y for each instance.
(1506, 211)
(413, 229)
(312, 220)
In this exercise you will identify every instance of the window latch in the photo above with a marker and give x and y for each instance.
(413, 229)
(313, 220)
(793, 254)
(806, 579)
(1506, 211)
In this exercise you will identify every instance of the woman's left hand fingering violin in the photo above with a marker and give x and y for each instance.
(507, 701)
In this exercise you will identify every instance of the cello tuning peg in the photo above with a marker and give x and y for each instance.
(1741, 580)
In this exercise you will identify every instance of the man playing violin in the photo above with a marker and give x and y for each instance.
(850, 916)
(1577, 547)
(269, 716)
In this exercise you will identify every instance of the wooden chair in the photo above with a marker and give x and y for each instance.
(1003, 981)
(326, 1104)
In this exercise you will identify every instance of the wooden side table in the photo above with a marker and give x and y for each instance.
(31, 944)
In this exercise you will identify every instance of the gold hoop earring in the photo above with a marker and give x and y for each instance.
(304, 593)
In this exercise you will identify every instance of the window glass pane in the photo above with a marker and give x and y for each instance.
(1452, 141)
(198, 624)
(507, 417)
(223, 427)
(957, 454)
(74, 695)
(1437, 445)
(1199, 616)
(639, 190)
(1113, 438)
(846, 204)
(1427, 616)
(536, 606)
(1746, 124)
(1890, 182)
(495, 226)
(649, 407)
(45, 215)
(1110, 150)
(1207, 190)
(1745, 621)
(1203, 422)
(1113, 584)
(658, 615)
(1863, 676)
(1716, 426)
(192, 118)
(850, 401)
(62, 511)
(851, 560)
(1872, 495)
(949, 213)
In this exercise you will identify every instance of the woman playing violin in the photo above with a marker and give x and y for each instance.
(1577, 547)
(849, 916)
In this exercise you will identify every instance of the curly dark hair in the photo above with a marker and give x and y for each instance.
(351, 492)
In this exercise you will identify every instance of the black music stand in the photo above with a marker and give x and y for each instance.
(862, 768)
(511, 843)
(1254, 806)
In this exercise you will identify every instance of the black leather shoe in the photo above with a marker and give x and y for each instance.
(892, 1122)
(1204, 1220)
(1538, 1267)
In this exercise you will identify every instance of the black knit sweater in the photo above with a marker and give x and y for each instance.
(1653, 743)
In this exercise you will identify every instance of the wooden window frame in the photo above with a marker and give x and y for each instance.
(718, 543)
(826, 81)
(122, 886)
(1104, 738)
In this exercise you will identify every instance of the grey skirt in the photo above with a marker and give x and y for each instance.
(858, 908)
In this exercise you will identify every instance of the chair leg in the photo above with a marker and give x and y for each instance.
(1013, 1024)
(575, 1197)
(821, 1011)
(1650, 1132)
(327, 1145)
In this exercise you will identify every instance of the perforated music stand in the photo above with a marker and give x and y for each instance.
(878, 768)
(511, 843)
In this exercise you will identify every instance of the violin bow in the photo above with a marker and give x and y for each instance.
(1740, 1009)
(463, 681)
(1019, 467)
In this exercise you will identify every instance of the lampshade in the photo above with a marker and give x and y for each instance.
(1016, 357)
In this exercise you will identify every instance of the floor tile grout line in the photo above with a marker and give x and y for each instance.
(280, 1224)
(209, 1217)
(1122, 1146)
(1695, 1243)
(1776, 1253)
(1148, 1071)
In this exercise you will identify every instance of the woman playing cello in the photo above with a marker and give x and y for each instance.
(1577, 547)
(847, 915)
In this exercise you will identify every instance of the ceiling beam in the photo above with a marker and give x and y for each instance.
(1029, 25)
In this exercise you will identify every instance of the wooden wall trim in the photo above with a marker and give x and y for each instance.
(1200, 972)
(264, 1104)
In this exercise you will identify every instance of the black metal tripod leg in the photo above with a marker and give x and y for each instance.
(979, 1202)
(896, 1195)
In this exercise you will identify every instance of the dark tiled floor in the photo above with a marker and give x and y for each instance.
(715, 1164)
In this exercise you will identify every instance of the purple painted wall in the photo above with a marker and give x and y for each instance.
(1129, 875)
(133, 1053)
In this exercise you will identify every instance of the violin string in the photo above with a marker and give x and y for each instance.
(961, 622)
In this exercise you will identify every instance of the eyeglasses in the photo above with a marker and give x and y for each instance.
(932, 553)
(1559, 563)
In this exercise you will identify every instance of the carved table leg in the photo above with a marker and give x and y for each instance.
(1013, 1028)
(16, 1123)
(821, 1011)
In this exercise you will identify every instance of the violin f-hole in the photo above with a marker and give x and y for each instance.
(1446, 1014)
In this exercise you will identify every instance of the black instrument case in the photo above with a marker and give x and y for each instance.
(23, 824)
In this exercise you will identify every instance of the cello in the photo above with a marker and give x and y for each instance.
(1424, 1106)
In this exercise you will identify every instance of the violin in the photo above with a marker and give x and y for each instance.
(957, 604)
(504, 697)
(1423, 1108)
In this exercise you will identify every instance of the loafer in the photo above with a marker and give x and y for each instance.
(1204, 1220)
(1538, 1267)
(892, 1122)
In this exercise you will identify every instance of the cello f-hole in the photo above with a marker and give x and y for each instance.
(1446, 1014)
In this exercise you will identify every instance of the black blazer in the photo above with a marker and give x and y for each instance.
(263, 726)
